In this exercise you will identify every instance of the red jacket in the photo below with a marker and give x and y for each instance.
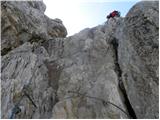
(113, 13)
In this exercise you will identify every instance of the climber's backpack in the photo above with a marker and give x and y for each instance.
(115, 13)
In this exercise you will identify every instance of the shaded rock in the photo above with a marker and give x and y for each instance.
(29, 67)
(138, 57)
(25, 22)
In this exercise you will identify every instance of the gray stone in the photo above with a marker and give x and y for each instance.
(89, 69)
(29, 66)
(24, 21)
(138, 57)
(109, 71)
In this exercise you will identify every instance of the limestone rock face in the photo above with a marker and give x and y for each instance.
(109, 71)
(27, 75)
(25, 21)
(138, 58)
(87, 80)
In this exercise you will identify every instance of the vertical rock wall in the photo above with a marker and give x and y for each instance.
(109, 71)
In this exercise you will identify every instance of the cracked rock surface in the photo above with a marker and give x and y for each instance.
(138, 58)
(25, 22)
(109, 71)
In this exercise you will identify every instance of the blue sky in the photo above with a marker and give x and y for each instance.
(79, 14)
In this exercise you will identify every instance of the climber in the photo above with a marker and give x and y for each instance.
(113, 14)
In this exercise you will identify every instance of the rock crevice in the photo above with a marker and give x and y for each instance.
(109, 71)
(120, 82)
